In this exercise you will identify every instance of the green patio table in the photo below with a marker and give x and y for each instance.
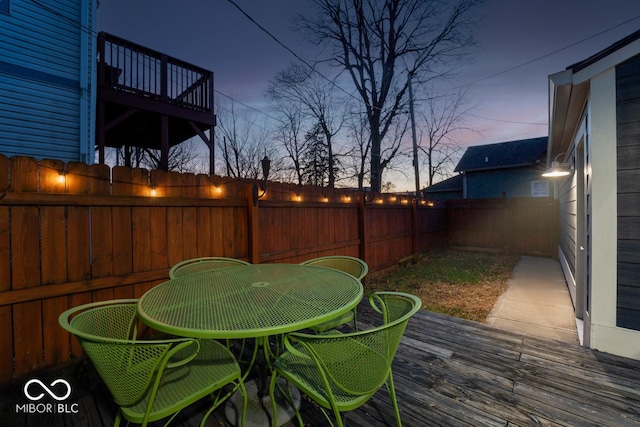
(253, 301)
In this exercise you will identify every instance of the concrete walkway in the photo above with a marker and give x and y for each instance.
(537, 302)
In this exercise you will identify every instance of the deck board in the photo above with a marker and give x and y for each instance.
(448, 372)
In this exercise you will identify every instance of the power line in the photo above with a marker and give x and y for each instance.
(524, 64)
(507, 121)
(288, 49)
(248, 106)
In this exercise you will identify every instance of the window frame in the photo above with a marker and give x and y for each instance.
(537, 182)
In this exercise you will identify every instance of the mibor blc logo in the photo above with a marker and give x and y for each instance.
(35, 390)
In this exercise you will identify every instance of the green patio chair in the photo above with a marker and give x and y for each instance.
(350, 265)
(195, 265)
(151, 379)
(340, 372)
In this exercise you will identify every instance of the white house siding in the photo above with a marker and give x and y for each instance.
(568, 209)
(46, 79)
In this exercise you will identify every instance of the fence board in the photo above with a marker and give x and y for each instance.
(217, 236)
(122, 232)
(241, 229)
(189, 232)
(175, 242)
(25, 269)
(53, 247)
(102, 242)
(6, 328)
(79, 243)
(521, 225)
(55, 339)
(203, 216)
(158, 238)
(141, 230)
(228, 232)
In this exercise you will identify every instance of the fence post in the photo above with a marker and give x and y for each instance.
(508, 212)
(362, 228)
(254, 221)
(414, 228)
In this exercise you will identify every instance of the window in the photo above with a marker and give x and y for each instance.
(4, 6)
(539, 188)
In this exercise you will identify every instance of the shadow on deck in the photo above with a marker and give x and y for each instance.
(448, 372)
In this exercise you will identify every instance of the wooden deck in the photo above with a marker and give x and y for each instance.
(448, 372)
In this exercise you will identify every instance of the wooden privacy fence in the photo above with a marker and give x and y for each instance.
(75, 233)
(525, 225)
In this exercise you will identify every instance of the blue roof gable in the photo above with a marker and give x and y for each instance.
(525, 152)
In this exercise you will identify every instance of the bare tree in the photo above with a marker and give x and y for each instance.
(242, 141)
(355, 160)
(183, 157)
(380, 43)
(297, 85)
(442, 120)
(290, 134)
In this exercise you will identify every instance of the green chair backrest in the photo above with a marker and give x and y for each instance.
(394, 306)
(106, 331)
(350, 265)
(359, 362)
(195, 265)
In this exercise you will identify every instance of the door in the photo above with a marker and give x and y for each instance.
(583, 241)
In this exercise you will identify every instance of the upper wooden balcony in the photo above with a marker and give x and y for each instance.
(149, 99)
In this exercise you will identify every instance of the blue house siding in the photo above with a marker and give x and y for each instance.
(47, 79)
(514, 182)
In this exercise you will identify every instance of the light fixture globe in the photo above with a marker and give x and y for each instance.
(556, 170)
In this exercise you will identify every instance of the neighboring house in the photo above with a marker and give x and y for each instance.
(444, 190)
(594, 130)
(47, 79)
(507, 169)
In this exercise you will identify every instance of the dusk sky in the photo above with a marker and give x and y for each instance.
(506, 82)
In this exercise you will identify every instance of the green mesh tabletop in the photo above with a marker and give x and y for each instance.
(249, 301)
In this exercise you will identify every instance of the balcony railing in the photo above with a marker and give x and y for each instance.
(130, 68)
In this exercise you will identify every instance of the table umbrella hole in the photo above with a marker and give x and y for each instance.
(260, 284)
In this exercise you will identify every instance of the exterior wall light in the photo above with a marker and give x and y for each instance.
(557, 169)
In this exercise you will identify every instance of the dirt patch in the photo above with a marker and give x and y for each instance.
(457, 283)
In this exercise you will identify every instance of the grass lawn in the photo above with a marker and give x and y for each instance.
(457, 283)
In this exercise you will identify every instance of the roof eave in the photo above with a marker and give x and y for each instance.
(513, 166)
(567, 100)
(569, 90)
